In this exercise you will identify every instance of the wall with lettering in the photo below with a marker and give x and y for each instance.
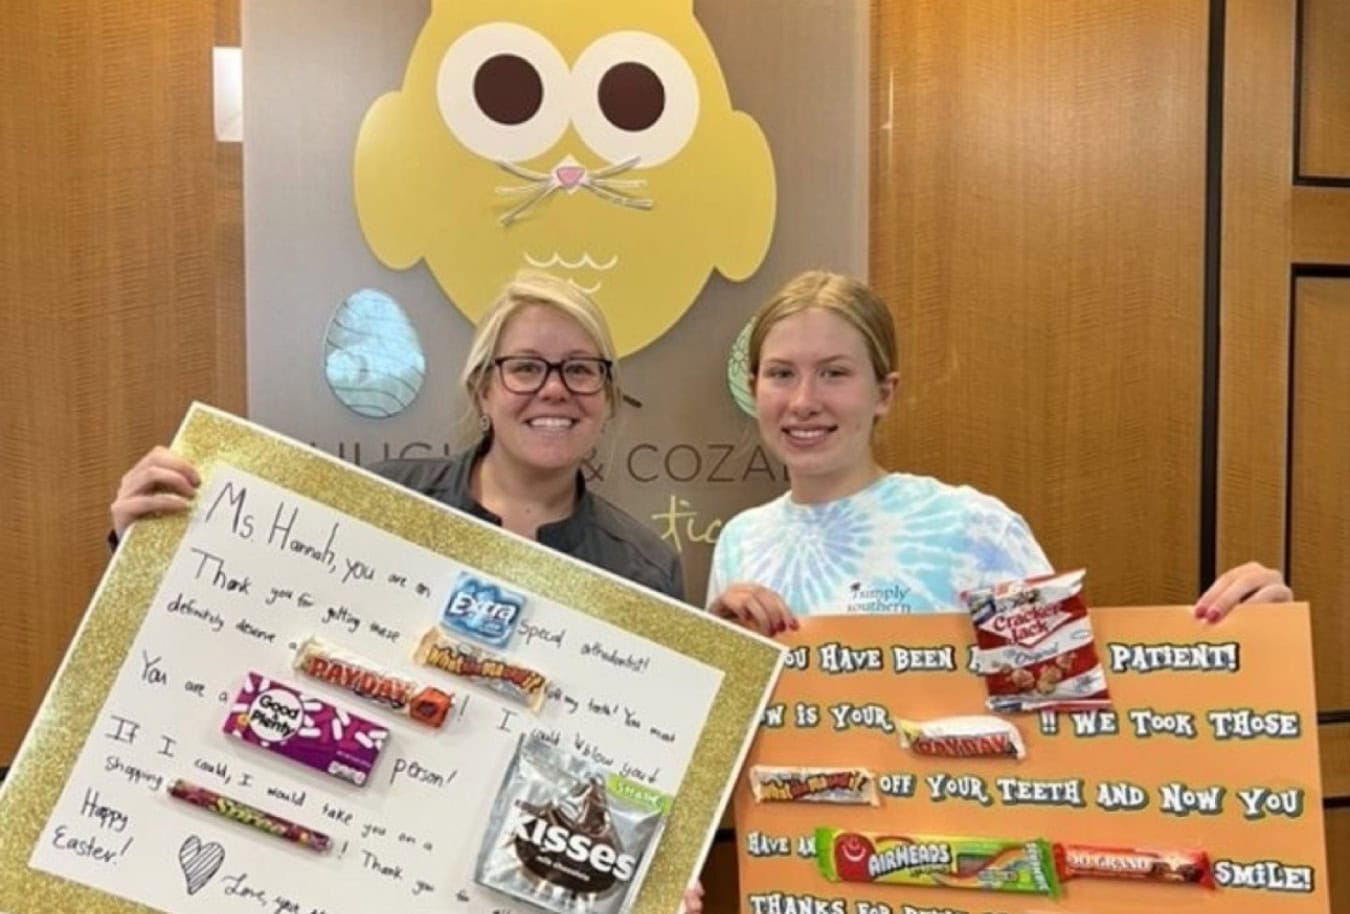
(1210, 744)
(259, 570)
(682, 456)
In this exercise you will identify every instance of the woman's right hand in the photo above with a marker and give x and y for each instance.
(755, 607)
(160, 483)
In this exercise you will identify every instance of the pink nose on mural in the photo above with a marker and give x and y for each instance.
(569, 176)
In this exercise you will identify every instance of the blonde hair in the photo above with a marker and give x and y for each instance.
(850, 299)
(534, 287)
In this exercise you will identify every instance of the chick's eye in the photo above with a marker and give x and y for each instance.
(631, 96)
(635, 98)
(508, 89)
(502, 92)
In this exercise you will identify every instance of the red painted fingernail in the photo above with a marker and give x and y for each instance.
(1214, 615)
(1201, 611)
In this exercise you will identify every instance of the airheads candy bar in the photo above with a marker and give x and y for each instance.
(1147, 864)
(459, 658)
(813, 785)
(962, 737)
(305, 729)
(1035, 647)
(362, 678)
(991, 864)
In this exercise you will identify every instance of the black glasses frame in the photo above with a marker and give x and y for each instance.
(606, 367)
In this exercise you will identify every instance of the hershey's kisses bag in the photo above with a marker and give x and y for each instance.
(568, 836)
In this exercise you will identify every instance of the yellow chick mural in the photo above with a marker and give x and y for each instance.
(591, 138)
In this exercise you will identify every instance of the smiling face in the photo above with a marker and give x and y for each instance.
(553, 428)
(851, 855)
(595, 141)
(817, 397)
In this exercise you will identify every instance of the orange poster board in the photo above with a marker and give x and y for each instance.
(1211, 743)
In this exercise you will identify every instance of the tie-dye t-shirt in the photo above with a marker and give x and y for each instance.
(905, 544)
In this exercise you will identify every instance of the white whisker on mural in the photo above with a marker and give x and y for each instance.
(525, 173)
(525, 205)
(616, 168)
(633, 184)
(613, 196)
(516, 189)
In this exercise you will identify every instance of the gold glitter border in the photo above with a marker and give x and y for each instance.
(209, 437)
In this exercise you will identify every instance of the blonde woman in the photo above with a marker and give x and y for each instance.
(542, 380)
(848, 535)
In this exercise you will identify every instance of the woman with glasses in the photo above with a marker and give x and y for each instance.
(541, 377)
(541, 381)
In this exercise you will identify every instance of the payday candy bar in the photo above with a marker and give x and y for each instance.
(322, 661)
(992, 864)
(962, 737)
(459, 658)
(305, 729)
(1151, 865)
(813, 785)
(1035, 647)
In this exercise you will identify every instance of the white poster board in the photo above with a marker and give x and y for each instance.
(261, 565)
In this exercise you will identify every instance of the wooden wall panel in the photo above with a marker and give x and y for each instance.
(231, 382)
(1338, 851)
(231, 370)
(1254, 280)
(1038, 201)
(1324, 143)
(109, 323)
(1319, 515)
(1335, 745)
(1334, 740)
(1321, 227)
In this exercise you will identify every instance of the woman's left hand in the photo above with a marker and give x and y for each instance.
(1249, 583)
(693, 899)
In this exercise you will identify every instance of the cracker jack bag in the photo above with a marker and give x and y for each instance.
(1035, 647)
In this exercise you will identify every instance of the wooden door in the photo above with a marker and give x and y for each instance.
(1283, 480)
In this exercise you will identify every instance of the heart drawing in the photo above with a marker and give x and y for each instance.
(199, 862)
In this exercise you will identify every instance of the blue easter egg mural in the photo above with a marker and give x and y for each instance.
(373, 359)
